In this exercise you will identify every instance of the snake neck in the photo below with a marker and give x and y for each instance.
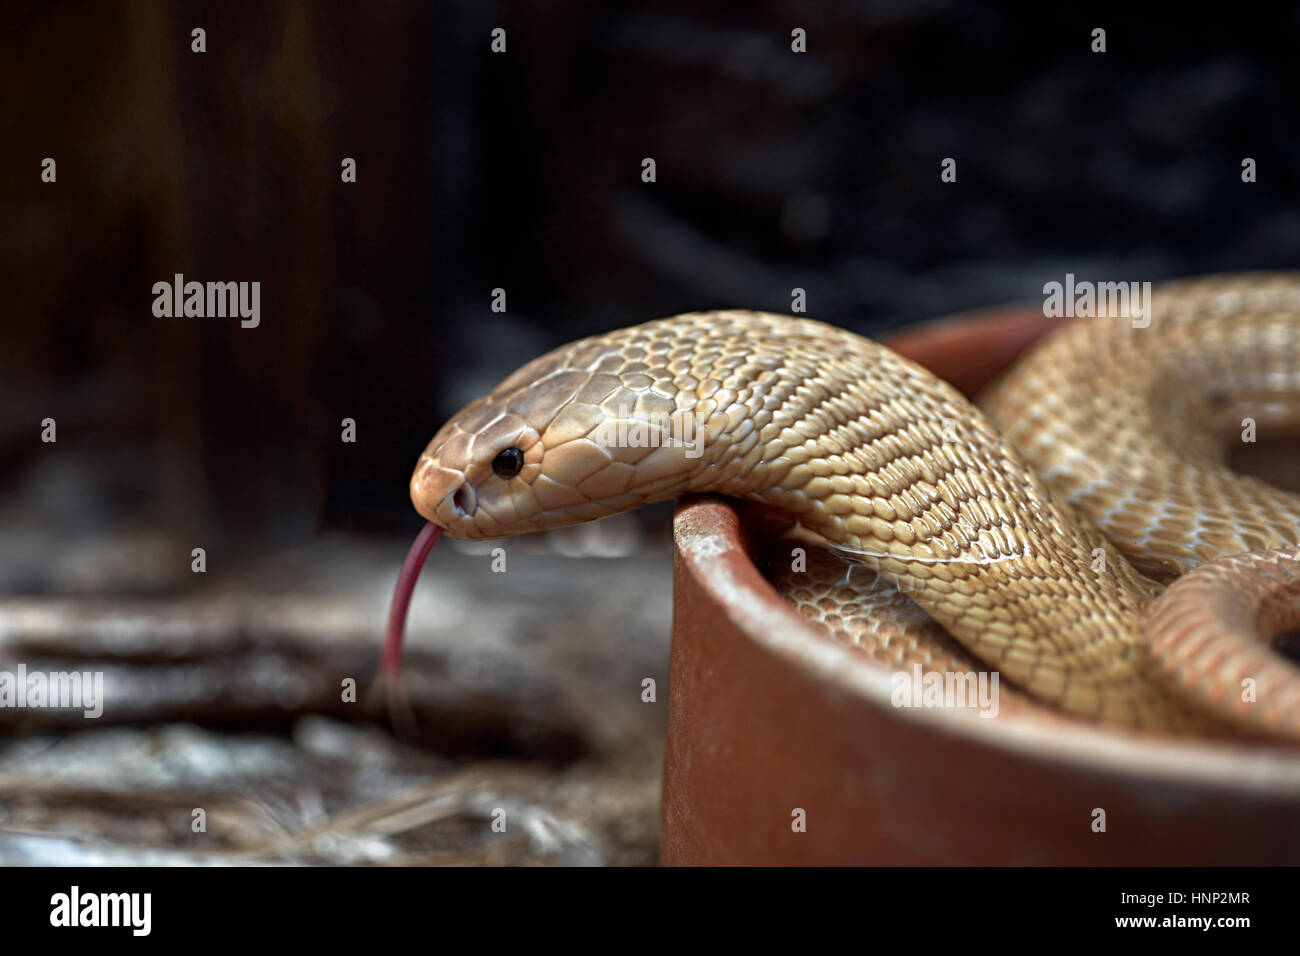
(899, 471)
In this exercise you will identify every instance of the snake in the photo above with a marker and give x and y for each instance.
(1081, 530)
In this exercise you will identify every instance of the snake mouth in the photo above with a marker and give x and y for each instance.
(442, 496)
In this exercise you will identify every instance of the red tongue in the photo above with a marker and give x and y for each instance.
(392, 659)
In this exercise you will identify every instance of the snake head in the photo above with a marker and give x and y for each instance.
(577, 434)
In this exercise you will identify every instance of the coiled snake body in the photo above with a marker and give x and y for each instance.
(1039, 536)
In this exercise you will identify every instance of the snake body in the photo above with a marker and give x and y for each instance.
(1038, 536)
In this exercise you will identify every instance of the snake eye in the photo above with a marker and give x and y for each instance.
(508, 462)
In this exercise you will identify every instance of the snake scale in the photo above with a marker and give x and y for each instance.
(1037, 537)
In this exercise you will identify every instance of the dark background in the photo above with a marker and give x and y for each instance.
(522, 171)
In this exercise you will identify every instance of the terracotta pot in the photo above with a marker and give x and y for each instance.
(768, 717)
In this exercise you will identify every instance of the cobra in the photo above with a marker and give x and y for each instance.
(1041, 533)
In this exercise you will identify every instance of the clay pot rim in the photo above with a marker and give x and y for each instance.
(711, 543)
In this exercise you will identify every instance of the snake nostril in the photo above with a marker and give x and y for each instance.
(460, 500)
(1287, 643)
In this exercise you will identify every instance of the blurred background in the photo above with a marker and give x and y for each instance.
(476, 171)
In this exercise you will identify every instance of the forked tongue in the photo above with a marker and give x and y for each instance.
(390, 668)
